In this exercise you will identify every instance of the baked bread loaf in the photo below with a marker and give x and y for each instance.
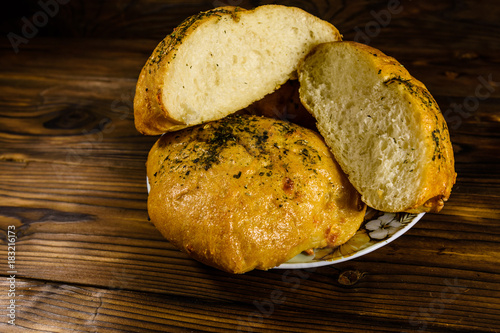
(249, 192)
(222, 60)
(383, 126)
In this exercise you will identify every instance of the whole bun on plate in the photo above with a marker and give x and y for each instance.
(249, 192)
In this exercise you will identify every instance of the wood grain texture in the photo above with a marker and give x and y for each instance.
(72, 182)
(63, 308)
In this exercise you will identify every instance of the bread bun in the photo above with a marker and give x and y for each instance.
(249, 192)
(382, 125)
(222, 60)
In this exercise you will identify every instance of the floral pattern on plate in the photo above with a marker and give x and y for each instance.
(377, 230)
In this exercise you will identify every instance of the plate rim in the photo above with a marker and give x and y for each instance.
(357, 254)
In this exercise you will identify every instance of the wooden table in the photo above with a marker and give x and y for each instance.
(72, 184)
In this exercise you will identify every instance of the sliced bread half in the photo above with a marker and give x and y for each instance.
(220, 61)
(382, 125)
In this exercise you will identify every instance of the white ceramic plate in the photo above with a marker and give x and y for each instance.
(377, 230)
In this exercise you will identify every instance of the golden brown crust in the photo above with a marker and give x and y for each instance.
(249, 192)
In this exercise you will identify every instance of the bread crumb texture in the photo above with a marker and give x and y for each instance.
(220, 61)
(383, 126)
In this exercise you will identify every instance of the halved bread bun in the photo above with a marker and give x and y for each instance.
(382, 125)
(220, 61)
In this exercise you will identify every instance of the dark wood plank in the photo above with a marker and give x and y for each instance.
(58, 307)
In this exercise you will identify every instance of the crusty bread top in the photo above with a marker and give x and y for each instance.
(383, 126)
(249, 192)
(220, 61)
